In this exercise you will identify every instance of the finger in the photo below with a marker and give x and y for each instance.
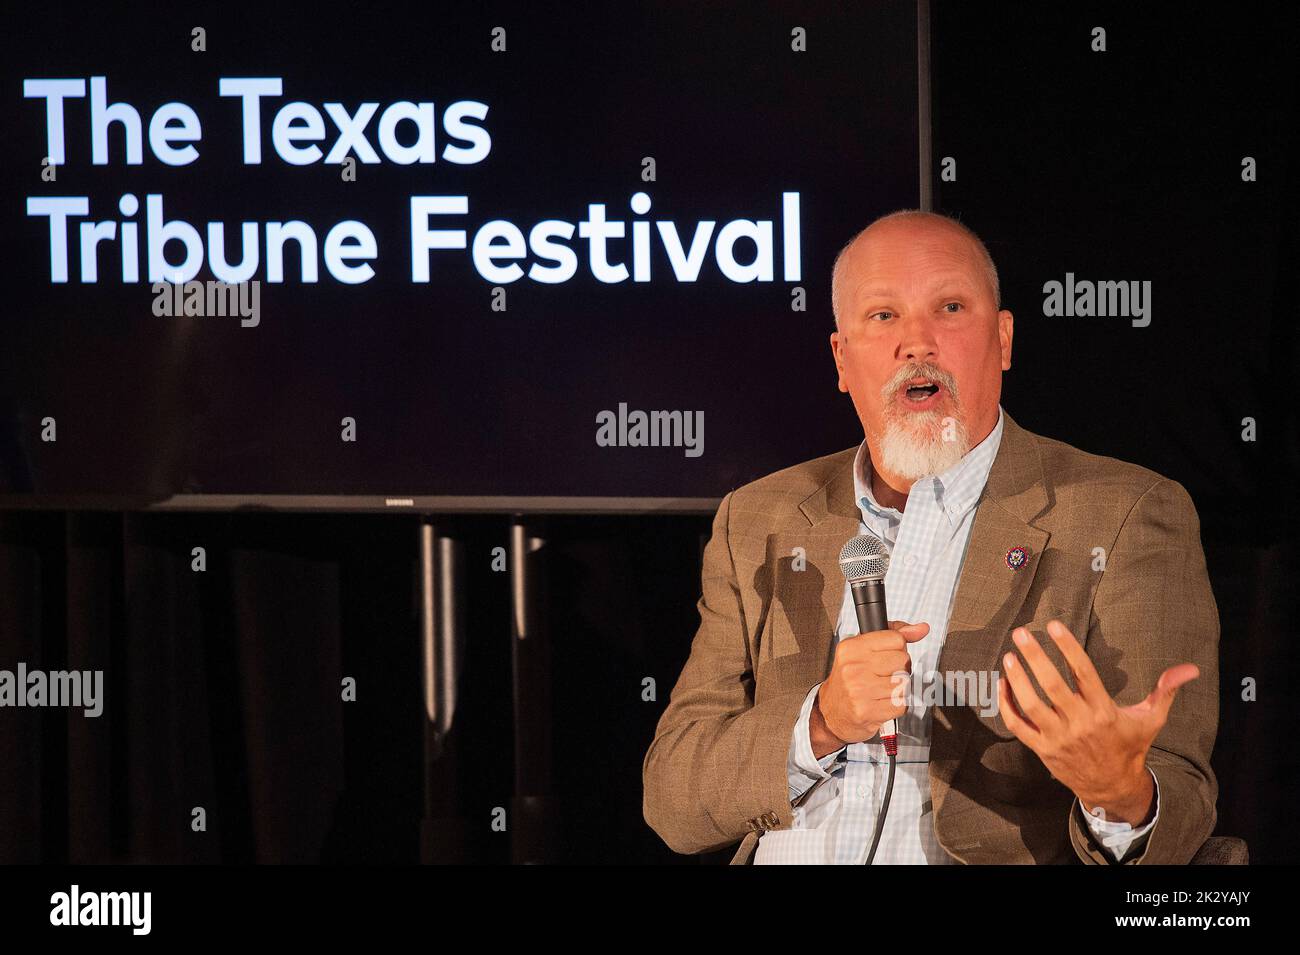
(888, 662)
(900, 689)
(876, 641)
(1069, 705)
(1160, 699)
(1016, 721)
(1085, 675)
(890, 639)
(896, 691)
(1036, 711)
(911, 632)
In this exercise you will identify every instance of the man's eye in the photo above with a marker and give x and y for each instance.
(953, 307)
(878, 314)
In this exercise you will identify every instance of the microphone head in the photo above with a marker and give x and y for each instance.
(864, 557)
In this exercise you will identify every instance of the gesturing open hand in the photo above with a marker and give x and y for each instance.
(1087, 741)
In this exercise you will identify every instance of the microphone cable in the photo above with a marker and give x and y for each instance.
(891, 750)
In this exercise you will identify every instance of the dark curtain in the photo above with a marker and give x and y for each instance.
(223, 688)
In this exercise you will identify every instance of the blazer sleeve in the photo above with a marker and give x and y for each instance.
(717, 767)
(1153, 609)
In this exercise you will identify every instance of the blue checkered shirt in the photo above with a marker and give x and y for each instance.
(834, 824)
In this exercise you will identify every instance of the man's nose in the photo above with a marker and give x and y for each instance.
(916, 343)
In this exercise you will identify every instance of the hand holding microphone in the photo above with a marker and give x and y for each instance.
(865, 688)
(857, 699)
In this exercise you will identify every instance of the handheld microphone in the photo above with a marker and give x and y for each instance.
(864, 561)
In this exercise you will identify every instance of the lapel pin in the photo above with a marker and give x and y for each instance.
(1017, 557)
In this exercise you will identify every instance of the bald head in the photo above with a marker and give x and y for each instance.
(906, 219)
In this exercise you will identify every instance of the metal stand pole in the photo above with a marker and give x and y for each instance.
(532, 817)
(442, 828)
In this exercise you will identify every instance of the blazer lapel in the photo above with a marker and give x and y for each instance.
(811, 594)
(989, 592)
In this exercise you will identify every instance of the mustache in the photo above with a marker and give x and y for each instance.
(921, 369)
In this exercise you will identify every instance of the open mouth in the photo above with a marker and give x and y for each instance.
(921, 390)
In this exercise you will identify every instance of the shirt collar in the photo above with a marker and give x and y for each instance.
(955, 490)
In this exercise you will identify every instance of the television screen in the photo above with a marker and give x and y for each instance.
(478, 253)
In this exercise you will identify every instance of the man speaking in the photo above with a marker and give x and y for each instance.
(1051, 661)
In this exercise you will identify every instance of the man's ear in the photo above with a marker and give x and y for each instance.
(1006, 330)
(836, 343)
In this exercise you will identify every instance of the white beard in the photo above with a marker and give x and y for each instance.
(914, 447)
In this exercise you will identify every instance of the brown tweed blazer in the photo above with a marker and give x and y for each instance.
(715, 773)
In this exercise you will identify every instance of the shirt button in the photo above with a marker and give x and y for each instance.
(909, 560)
(862, 792)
